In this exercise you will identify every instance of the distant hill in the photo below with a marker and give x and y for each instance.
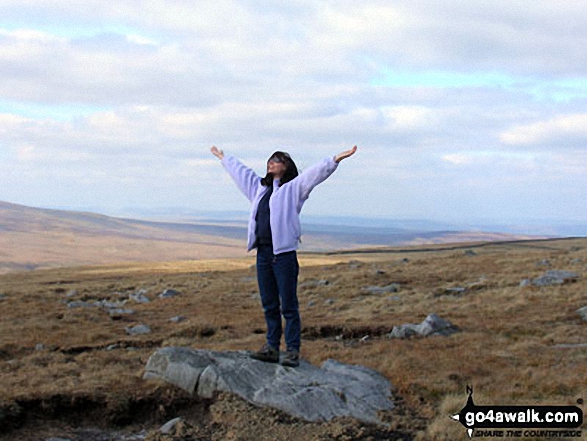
(33, 238)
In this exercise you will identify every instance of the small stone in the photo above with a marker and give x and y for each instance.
(72, 293)
(177, 319)
(81, 304)
(169, 293)
(120, 311)
(577, 260)
(583, 312)
(379, 272)
(311, 303)
(554, 277)
(40, 347)
(525, 282)
(329, 302)
(432, 325)
(112, 347)
(2, 296)
(169, 427)
(138, 330)
(543, 262)
(139, 298)
(470, 253)
(405, 260)
(393, 287)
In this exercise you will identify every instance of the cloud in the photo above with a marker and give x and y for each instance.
(564, 131)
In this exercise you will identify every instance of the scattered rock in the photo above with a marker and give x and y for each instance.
(432, 325)
(112, 347)
(583, 312)
(525, 282)
(39, 347)
(120, 311)
(555, 277)
(138, 330)
(169, 293)
(72, 293)
(311, 303)
(577, 260)
(140, 297)
(379, 272)
(170, 426)
(405, 260)
(313, 283)
(456, 291)
(393, 287)
(308, 392)
(543, 262)
(178, 319)
(81, 304)
(393, 298)
(470, 253)
(2, 297)
(329, 301)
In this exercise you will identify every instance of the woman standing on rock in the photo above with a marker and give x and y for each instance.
(274, 229)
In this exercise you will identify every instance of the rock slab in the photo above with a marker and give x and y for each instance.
(432, 325)
(307, 391)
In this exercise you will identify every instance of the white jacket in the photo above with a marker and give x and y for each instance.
(285, 204)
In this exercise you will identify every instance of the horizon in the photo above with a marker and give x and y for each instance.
(462, 112)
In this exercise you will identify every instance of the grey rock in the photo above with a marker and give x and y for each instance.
(329, 302)
(311, 303)
(169, 426)
(543, 262)
(555, 277)
(577, 260)
(139, 297)
(431, 326)
(393, 298)
(314, 283)
(112, 347)
(470, 253)
(393, 287)
(582, 312)
(309, 392)
(81, 304)
(39, 347)
(138, 330)
(525, 282)
(106, 304)
(2, 296)
(72, 293)
(456, 291)
(120, 311)
(169, 293)
(178, 319)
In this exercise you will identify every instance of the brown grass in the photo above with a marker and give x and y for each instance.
(505, 350)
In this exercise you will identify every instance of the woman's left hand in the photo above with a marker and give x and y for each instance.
(345, 154)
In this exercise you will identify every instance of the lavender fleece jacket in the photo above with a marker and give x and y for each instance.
(285, 203)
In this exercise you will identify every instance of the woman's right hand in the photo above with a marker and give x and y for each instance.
(216, 152)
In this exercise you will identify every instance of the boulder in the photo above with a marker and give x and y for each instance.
(169, 293)
(432, 325)
(307, 391)
(555, 277)
(392, 287)
(138, 330)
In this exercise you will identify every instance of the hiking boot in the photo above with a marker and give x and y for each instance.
(292, 358)
(266, 353)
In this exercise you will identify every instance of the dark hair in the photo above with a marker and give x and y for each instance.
(291, 171)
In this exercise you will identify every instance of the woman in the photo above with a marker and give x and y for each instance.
(274, 229)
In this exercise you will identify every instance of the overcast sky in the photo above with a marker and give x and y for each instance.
(462, 110)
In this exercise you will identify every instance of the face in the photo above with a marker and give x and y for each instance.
(276, 167)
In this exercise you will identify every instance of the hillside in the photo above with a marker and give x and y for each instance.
(69, 369)
(33, 238)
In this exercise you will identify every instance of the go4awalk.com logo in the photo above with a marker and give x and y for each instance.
(520, 421)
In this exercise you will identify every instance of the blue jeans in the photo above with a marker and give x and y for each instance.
(277, 276)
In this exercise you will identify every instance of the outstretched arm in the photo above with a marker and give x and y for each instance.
(244, 177)
(318, 173)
